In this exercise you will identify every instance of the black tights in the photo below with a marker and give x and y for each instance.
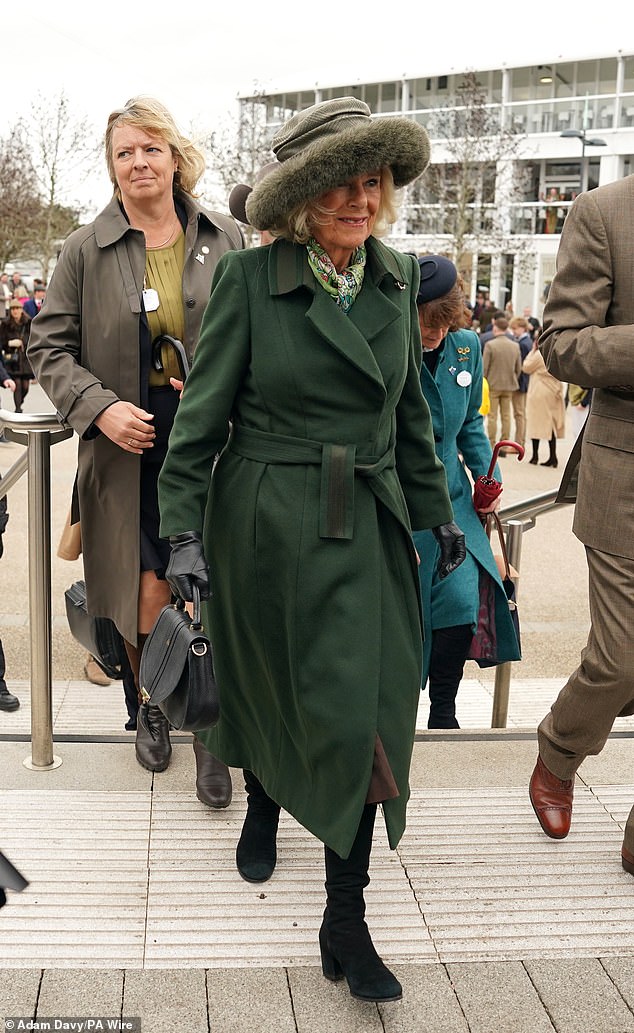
(22, 385)
(449, 650)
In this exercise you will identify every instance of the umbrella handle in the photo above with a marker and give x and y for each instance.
(513, 445)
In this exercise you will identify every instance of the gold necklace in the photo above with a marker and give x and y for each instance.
(156, 247)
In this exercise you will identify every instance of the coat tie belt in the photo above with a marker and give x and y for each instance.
(339, 466)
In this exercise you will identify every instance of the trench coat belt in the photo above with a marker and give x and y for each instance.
(339, 466)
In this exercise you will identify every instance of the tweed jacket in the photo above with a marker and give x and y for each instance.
(588, 339)
(502, 363)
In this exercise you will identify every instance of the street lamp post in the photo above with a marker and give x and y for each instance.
(586, 141)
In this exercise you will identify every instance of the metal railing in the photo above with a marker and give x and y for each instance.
(515, 520)
(38, 431)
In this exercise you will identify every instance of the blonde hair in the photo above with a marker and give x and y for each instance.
(300, 224)
(150, 115)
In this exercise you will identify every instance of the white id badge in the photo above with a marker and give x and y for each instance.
(150, 299)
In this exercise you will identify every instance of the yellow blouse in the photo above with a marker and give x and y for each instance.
(164, 273)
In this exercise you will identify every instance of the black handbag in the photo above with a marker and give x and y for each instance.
(176, 672)
(98, 635)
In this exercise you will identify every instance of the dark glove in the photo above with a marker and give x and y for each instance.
(187, 566)
(452, 547)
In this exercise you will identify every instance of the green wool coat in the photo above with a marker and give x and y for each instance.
(314, 617)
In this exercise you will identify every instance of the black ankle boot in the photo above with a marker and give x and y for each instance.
(8, 701)
(344, 939)
(535, 456)
(153, 747)
(256, 852)
(213, 781)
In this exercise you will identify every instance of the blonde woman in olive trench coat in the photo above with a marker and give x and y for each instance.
(90, 347)
(306, 521)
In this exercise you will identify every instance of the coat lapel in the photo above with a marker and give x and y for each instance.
(370, 315)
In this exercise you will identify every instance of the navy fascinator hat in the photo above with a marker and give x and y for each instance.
(437, 277)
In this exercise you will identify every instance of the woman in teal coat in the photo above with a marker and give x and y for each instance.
(310, 352)
(451, 378)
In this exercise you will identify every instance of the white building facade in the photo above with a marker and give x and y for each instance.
(575, 130)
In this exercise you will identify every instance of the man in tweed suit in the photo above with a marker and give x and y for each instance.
(588, 339)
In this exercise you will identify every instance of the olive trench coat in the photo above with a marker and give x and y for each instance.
(461, 444)
(84, 349)
(314, 615)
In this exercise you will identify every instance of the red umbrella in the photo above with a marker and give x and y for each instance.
(487, 489)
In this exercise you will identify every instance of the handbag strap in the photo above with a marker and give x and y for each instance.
(180, 605)
(493, 519)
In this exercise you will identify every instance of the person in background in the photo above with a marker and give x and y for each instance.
(545, 411)
(14, 337)
(502, 365)
(33, 305)
(8, 701)
(579, 400)
(5, 295)
(587, 339)
(149, 257)
(451, 378)
(309, 356)
(520, 328)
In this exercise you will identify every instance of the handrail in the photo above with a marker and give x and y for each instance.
(516, 518)
(38, 431)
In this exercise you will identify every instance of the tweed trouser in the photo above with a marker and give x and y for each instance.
(499, 400)
(581, 718)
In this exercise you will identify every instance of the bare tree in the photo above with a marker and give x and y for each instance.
(463, 201)
(20, 200)
(236, 152)
(63, 145)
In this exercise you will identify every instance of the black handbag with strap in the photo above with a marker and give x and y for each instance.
(98, 635)
(176, 672)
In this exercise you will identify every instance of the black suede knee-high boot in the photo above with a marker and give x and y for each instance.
(344, 939)
(534, 459)
(256, 852)
(449, 648)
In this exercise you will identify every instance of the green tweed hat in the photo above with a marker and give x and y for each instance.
(327, 144)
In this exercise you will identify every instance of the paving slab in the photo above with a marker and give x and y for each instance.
(429, 1003)
(320, 1006)
(19, 990)
(579, 994)
(499, 998)
(242, 1002)
(81, 992)
(167, 1001)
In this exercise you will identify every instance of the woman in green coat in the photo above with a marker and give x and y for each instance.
(451, 378)
(310, 355)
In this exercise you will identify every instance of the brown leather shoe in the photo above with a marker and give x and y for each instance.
(627, 860)
(551, 798)
(213, 781)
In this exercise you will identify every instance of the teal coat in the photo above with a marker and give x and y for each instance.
(459, 432)
(315, 616)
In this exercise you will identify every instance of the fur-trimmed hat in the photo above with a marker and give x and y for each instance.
(327, 144)
(437, 276)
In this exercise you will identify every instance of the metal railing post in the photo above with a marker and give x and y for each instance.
(502, 685)
(38, 431)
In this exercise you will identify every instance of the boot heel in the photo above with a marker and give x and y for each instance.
(329, 965)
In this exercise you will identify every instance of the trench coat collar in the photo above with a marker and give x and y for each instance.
(111, 224)
(372, 312)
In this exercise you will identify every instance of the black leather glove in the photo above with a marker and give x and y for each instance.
(452, 547)
(187, 566)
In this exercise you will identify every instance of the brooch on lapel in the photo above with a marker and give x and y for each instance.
(464, 378)
(463, 354)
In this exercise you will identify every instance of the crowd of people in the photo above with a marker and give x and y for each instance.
(294, 430)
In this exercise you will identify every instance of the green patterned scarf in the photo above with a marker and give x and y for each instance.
(345, 286)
